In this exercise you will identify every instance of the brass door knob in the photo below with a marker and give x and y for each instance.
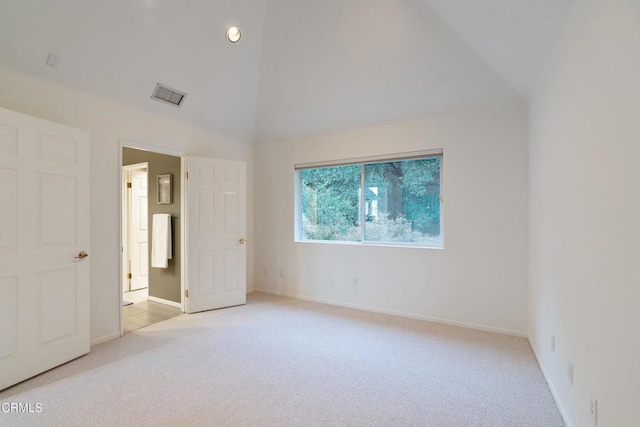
(81, 255)
(241, 241)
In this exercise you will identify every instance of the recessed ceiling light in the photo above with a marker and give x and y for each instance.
(233, 34)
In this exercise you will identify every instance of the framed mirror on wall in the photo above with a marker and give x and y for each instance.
(164, 189)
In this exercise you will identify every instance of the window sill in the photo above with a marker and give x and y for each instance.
(372, 244)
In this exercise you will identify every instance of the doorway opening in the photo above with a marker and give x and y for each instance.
(205, 270)
(151, 237)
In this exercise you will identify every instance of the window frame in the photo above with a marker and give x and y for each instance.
(362, 162)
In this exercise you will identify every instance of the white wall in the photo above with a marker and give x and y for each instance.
(480, 278)
(107, 122)
(585, 211)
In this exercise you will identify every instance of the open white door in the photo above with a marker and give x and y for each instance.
(216, 226)
(138, 230)
(44, 238)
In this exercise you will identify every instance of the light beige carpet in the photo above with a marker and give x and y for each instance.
(283, 362)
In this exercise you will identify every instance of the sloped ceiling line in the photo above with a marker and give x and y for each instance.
(301, 67)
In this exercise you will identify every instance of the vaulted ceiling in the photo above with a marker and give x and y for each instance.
(302, 66)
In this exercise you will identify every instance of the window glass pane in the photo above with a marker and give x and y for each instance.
(331, 203)
(403, 202)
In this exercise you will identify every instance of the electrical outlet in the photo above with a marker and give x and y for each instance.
(265, 270)
(281, 272)
(570, 371)
(593, 410)
(553, 343)
(355, 282)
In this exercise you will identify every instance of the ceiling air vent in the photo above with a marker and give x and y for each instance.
(168, 95)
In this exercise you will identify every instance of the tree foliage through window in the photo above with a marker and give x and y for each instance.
(401, 202)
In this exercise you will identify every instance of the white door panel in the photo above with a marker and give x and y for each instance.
(139, 230)
(9, 213)
(8, 317)
(216, 209)
(44, 224)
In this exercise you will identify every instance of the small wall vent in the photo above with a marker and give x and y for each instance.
(167, 95)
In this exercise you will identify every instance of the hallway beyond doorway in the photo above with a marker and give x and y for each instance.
(143, 312)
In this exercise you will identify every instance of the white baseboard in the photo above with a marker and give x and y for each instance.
(554, 393)
(104, 339)
(399, 313)
(165, 301)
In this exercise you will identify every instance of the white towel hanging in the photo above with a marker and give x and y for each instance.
(161, 250)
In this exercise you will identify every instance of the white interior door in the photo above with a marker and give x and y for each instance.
(138, 229)
(44, 224)
(216, 226)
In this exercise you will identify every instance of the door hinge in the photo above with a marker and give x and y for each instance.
(186, 293)
(186, 175)
(441, 199)
(129, 276)
(128, 185)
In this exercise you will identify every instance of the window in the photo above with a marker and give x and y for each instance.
(399, 202)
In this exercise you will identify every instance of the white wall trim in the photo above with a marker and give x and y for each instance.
(105, 339)
(147, 147)
(399, 313)
(165, 301)
(438, 152)
(554, 393)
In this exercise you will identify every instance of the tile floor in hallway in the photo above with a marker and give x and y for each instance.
(145, 313)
